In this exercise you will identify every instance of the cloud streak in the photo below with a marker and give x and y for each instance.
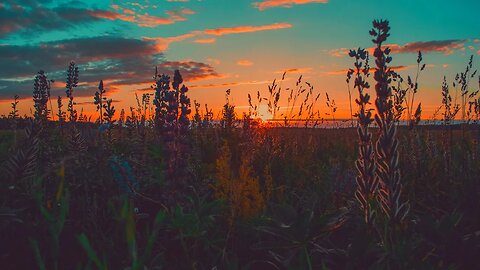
(441, 46)
(371, 70)
(244, 62)
(228, 84)
(163, 43)
(205, 40)
(143, 20)
(305, 70)
(245, 29)
(266, 4)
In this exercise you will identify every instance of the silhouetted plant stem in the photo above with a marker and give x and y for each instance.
(13, 116)
(41, 89)
(367, 182)
(72, 83)
(350, 99)
(388, 172)
(172, 107)
(99, 99)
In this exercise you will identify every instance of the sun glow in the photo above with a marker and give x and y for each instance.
(264, 114)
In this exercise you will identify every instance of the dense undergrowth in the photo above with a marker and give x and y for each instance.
(162, 187)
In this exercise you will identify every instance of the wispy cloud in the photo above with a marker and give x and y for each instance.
(304, 70)
(244, 62)
(344, 71)
(339, 51)
(145, 19)
(128, 11)
(214, 61)
(205, 40)
(193, 70)
(179, 14)
(266, 4)
(441, 46)
(246, 29)
(163, 43)
(228, 84)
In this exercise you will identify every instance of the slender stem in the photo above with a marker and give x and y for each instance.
(350, 100)
(308, 258)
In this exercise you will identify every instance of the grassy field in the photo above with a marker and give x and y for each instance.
(163, 186)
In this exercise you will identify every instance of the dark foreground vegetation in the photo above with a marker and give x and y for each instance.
(161, 187)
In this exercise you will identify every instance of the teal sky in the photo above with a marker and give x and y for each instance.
(241, 44)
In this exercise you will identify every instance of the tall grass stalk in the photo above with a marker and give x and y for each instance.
(388, 171)
(367, 183)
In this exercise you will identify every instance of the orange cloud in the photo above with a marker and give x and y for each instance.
(205, 41)
(187, 11)
(153, 21)
(339, 51)
(295, 71)
(179, 15)
(110, 15)
(129, 11)
(214, 85)
(193, 70)
(144, 20)
(245, 29)
(139, 5)
(244, 62)
(344, 71)
(163, 43)
(213, 61)
(442, 46)
(284, 3)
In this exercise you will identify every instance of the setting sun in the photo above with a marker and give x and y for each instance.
(264, 114)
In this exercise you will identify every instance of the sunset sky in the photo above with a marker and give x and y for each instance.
(220, 44)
